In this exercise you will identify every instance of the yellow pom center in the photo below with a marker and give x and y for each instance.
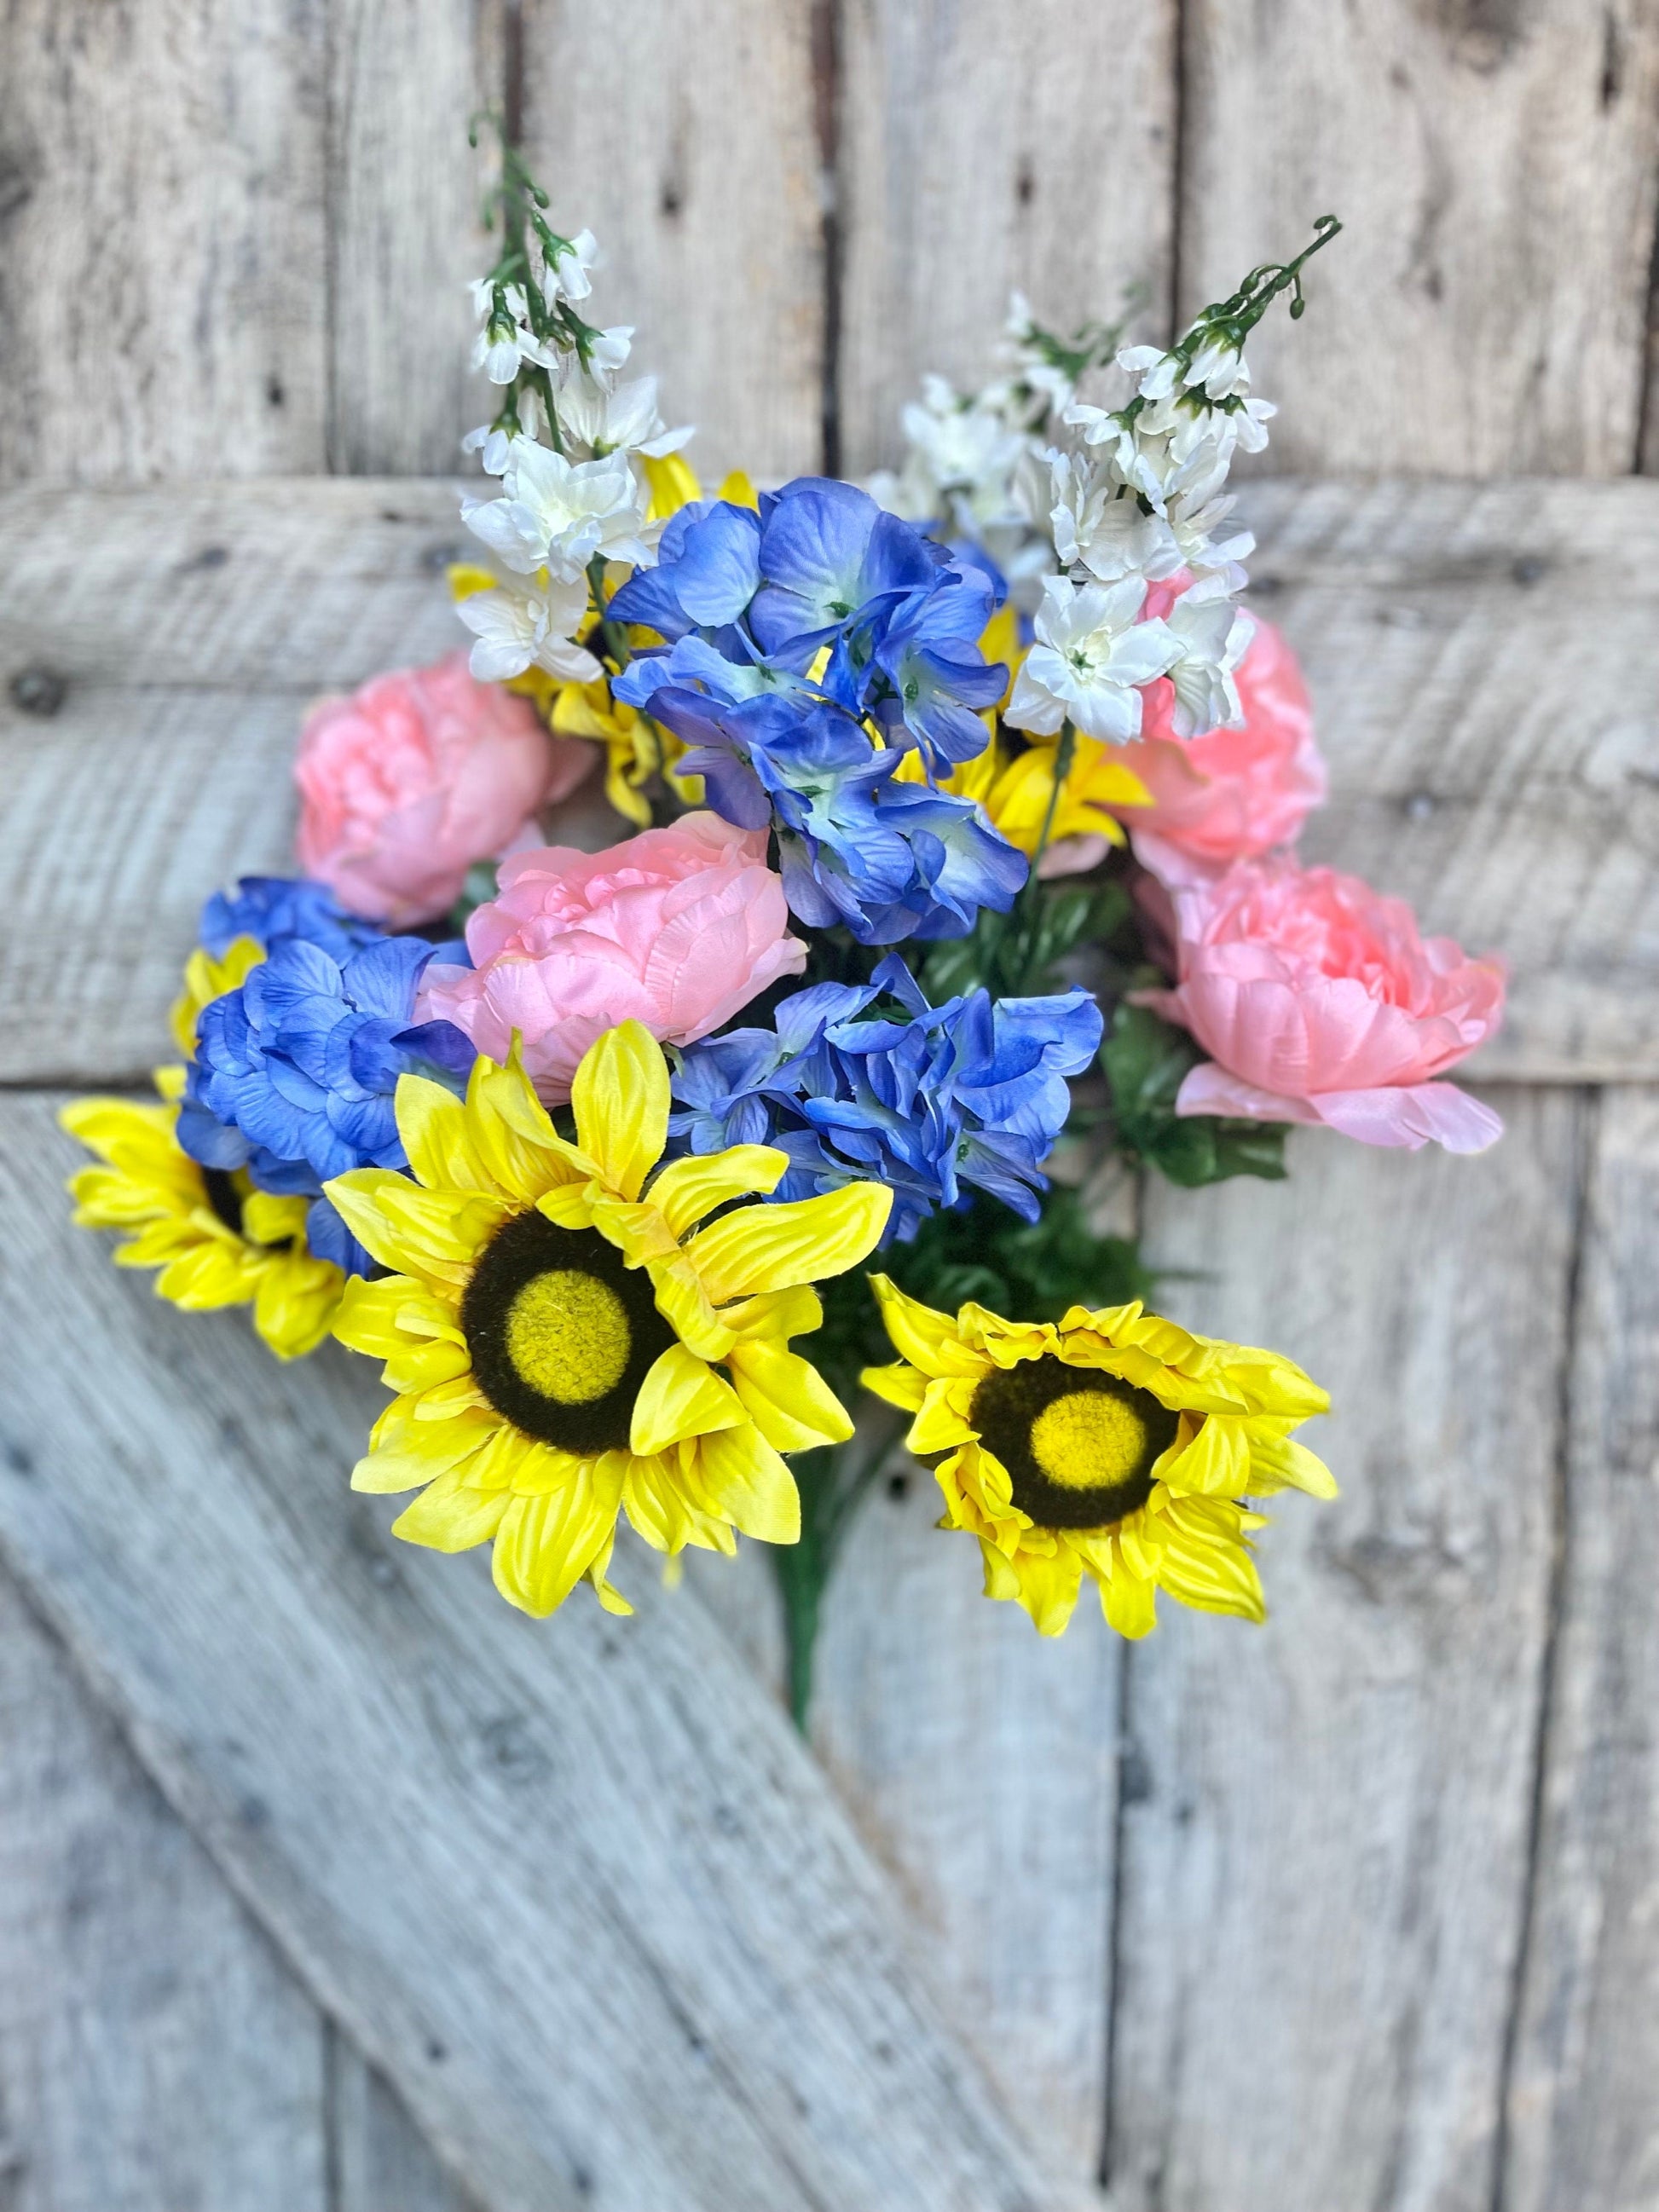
(1085, 1439)
(567, 1336)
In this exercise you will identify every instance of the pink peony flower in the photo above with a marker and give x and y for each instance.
(1318, 1001)
(676, 928)
(413, 778)
(1231, 794)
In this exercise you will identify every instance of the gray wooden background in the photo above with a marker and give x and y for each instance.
(327, 1885)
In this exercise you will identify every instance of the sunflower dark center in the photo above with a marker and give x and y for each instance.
(562, 1333)
(224, 1198)
(1079, 1446)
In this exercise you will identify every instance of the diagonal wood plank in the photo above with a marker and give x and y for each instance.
(973, 159)
(578, 1890)
(1326, 1843)
(1486, 311)
(1583, 2122)
(1484, 764)
(162, 193)
(154, 2051)
(981, 1763)
(686, 137)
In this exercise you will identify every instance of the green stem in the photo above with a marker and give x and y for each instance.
(615, 634)
(1032, 902)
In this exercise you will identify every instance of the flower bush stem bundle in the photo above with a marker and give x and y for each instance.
(951, 875)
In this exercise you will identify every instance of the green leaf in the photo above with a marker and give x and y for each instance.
(1145, 1061)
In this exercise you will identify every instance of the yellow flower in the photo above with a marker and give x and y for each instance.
(1111, 1443)
(216, 1240)
(207, 979)
(567, 1343)
(1014, 788)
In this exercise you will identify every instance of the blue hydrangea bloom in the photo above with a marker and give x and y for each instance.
(294, 1073)
(748, 602)
(272, 908)
(926, 1099)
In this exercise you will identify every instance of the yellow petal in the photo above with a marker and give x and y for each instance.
(449, 1516)
(546, 1544)
(621, 1100)
(1129, 1601)
(673, 483)
(927, 1339)
(269, 1219)
(418, 1452)
(1278, 1461)
(680, 1397)
(901, 1384)
(512, 1131)
(296, 1301)
(941, 1423)
(787, 1398)
(1215, 1462)
(752, 1484)
(1204, 1562)
(435, 1234)
(438, 1137)
(689, 1187)
(769, 1248)
(466, 577)
(737, 489)
(1047, 1588)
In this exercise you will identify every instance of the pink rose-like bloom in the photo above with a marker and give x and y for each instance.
(1318, 1001)
(677, 928)
(413, 778)
(1228, 795)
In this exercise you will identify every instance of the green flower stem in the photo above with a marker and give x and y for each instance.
(1032, 896)
(615, 634)
(833, 1484)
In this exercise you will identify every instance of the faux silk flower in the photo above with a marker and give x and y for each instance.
(422, 771)
(676, 928)
(1318, 1001)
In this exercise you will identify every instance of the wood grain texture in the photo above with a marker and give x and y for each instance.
(1485, 763)
(981, 1763)
(405, 229)
(983, 148)
(1325, 1844)
(163, 308)
(686, 137)
(380, 2161)
(1486, 311)
(578, 1890)
(154, 2053)
(1481, 660)
(1583, 2121)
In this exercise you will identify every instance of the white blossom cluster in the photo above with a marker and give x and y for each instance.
(566, 446)
(1100, 507)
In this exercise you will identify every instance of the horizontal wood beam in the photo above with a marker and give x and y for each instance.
(1481, 659)
(575, 1887)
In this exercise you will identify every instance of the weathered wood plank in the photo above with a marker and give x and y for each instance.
(164, 310)
(405, 229)
(705, 2001)
(1325, 1846)
(973, 159)
(686, 138)
(1480, 658)
(1493, 160)
(380, 2161)
(1584, 2123)
(154, 2053)
(981, 1763)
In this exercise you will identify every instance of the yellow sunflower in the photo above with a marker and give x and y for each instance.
(1111, 1443)
(207, 978)
(1015, 788)
(216, 1240)
(567, 1343)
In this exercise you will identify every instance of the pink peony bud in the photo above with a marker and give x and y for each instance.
(413, 778)
(677, 928)
(1317, 1000)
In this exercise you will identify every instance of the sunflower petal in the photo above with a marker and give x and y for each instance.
(769, 1248)
(752, 1484)
(545, 1544)
(688, 1189)
(927, 1339)
(1129, 1601)
(680, 1398)
(1277, 1462)
(620, 1096)
(901, 1384)
(433, 1234)
(451, 1516)
(1213, 1462)
(787, 1398)
(437, 1134)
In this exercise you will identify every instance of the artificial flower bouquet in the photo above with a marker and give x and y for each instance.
(950, 872)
